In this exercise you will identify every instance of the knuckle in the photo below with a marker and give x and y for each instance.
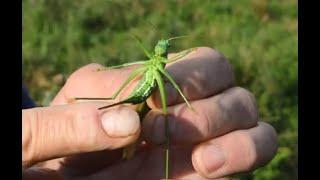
(91, 66)
(214, 54)
(254, 154)
(249, 151)
(218, 62)
(83, 126)
(271, 140)
(72, 77)
(252, 106)
(77, 77)
(88, 67)
(30, 136)
(209, 123)
(206, 49)
(248, 102)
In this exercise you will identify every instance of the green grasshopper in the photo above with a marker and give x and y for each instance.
(152, 71)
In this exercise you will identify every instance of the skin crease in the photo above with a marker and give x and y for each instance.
(224, 137)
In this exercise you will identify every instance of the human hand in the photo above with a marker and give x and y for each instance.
(65, 130)
(221, 139)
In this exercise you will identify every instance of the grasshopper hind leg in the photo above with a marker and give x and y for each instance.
(121, 66)
(132, 76)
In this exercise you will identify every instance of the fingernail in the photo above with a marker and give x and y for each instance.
(212, 157)
(120, 122)
(158, 133)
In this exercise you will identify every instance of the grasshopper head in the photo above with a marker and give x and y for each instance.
(161, 49)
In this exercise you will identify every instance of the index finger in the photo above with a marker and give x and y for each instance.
(87, 82)
(202, 73)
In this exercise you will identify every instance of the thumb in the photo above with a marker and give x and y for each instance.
(58, 131)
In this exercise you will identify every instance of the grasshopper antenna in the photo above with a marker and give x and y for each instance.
(117, 3)
(178, 37)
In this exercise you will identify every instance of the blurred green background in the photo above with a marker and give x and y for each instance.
(259, 38)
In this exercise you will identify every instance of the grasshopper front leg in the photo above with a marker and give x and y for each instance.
(163, 95)
(175, 85)
(180, 55)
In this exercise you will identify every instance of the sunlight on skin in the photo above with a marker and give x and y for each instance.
(147, 161)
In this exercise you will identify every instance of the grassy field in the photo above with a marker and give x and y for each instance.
(259, 38)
